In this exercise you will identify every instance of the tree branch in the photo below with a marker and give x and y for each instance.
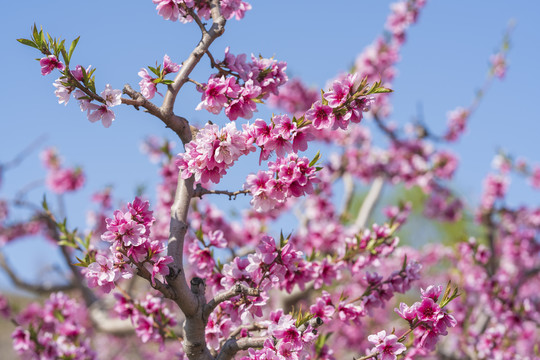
(176, 123)
(369, 203)
(217, 29)
(348, 196)
(200, 191)
(185, 299)
(237, 289)
(36, 289)
(232, 346)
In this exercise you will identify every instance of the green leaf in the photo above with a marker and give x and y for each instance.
(72, 47)
(381, 90)
(323, 100)
(65, 56)
(167, 82)
(68, 243)
(315, 159)
(44, 204)
(28, 43)
(58, 315)
(155, 71)
(35, 34)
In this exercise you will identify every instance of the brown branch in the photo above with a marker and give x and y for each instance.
(388, 131)
(36, 289)
(24, 153)
(232, 346)
(237, 289)
(200, 191)
(216, 30)
(187, 302)
(252, 327)
(176, 123)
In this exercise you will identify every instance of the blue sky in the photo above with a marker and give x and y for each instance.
(443, 63)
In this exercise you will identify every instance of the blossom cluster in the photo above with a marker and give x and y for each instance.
(129, 234)
(282, 136)
(148, 83)
(240, 85)
(212, 152)
(95, 112)
(57, 330)
(59, 179)
(181, 10)
(290, 176)
(430, 319)
(340, 106)
(286, 339)
(152, 319)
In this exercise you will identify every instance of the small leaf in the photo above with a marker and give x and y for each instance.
(381, 90)
(72, 47)
(44, 204)
(28, 43)
(154, 70)
(315, 159)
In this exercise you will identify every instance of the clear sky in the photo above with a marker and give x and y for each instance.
(444, 62)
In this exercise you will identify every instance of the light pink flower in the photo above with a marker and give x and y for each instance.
(168, 9)
(111, 96)
(100, 112)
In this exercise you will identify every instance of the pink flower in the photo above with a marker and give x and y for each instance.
(498, 65)
(148, 87)
(168, 9)
(111, 96)
(160, 269)
(433, 292)
(21, 340)
(49, 63)
(169, 66)
(65, 180)
(457, 120)
(102, 273)
(97, 112)
(62, 92)
(386, 345)
(321, 116)
(214, 95)
(428, 310)
(406, 312)
(234, 8)
(535, 178)
(50, 158)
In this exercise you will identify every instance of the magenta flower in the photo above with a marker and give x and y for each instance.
(428, 310)
(49, 63)
(214, 95)
(321, 116)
